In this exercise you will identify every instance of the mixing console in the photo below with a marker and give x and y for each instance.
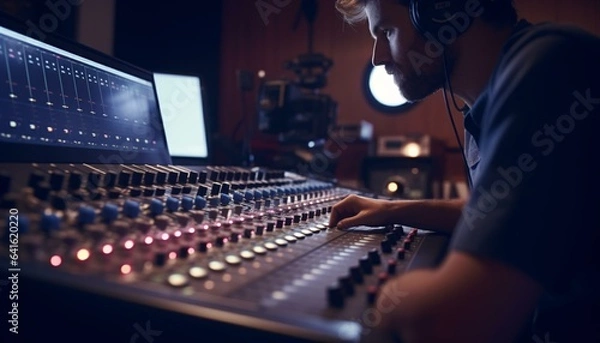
(160, 253)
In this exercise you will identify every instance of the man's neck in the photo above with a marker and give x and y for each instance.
(477, 55)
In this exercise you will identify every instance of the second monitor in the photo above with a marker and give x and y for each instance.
(181, 103)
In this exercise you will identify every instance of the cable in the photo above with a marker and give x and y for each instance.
(463, 110)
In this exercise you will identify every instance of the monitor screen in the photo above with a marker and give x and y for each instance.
(62, 102)
(182, 109)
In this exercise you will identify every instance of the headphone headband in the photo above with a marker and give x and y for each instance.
(442, 18)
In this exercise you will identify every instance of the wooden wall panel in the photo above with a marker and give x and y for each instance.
(249, 43)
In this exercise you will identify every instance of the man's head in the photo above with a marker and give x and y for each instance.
(414, 57)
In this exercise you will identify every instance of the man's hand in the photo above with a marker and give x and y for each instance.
(355, 210)
(428, 214)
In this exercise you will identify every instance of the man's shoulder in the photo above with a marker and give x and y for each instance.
(549, 42)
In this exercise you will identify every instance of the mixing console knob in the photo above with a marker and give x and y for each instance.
(144, 225)
(187, 189)
(203, 245)
(238, 197)
(335, 296)
(193, 177)
(124, 177)
(187, 203)
(238, 209)
(176, 190)
(213, 214)
(249, 196)
(172, 177)
(148, 191)
(156, 207)
(297, 218)
(182, 219)
(160, 258)
(347, 285)
(225, 199)
(386, 246)
(202, 176)
(216, 189)
(288, 220)
(135, 192)
(42, 191)
(248, 232)
(391, 267)
(234, 237)
(400, 253)
(149, 177)
(407, 243)
(49, 222)
(131, 208)
(365, 265)
(86, 215)
(270, 226)
(200, 202)
(260, 229)
(57, 179)
(202, 191)
(35, 178)
(374, 257)
(160, 191)
(391, 237)
(372, 294)
(120, 227)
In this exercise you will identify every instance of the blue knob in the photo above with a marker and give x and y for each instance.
(200, 202)
(266, 194)
(110, 212)
(257, 195)
(238, 197)
(156, 207)
(131, 208)
(49, 222)
(86, 215)
(187, 203)
(225, 199)
(172, 204)
(249, 196)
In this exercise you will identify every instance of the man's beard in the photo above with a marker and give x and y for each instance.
(418, 86)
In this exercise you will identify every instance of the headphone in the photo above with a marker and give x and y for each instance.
(431, 16)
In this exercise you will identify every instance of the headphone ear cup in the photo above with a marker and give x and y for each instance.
(430, 16)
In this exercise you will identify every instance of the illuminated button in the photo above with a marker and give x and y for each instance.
(198, 272)
(177, 280)
(233, 260)
(299, 235)
(271, 246)
(290, 239)
(217, 266)
(281, 242)
(247, 255)
(306, 232)
(314, 230)
(259, 250)
(321, 227)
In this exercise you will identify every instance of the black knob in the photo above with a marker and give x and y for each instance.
(183, 252)
(193, 177)
(374, 256)
(35, 178)
(248, 232)
(260, 229)
(42, 191)
(347, 284)
(400, 253)
(356, 274)
(391, 237)
(335, 296)
(386, 246)
(57, 179)
(149, 178)
(124, 178)
(202, 177)
(365, 265)
(297, 218)
(160, 258)
(203, 246)
(391, 267)
(75, 180)
(372, 294)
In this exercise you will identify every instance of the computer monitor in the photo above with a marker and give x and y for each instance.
(62, 102)
(182, 108)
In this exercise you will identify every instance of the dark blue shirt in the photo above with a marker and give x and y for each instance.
(531, 145)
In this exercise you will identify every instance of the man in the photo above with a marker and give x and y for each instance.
(521, 265)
